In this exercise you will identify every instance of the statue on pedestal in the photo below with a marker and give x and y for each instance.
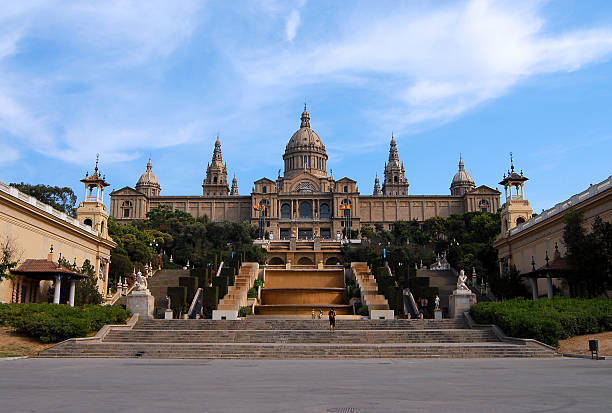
(141, 282)
(437, 303)
(461, 286)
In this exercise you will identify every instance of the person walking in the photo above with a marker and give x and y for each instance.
(320, 313)
(332, 319)
(313, 314)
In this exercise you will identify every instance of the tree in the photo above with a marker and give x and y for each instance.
(62, 199)
(87, 289)
(588, 255)
(9, 257)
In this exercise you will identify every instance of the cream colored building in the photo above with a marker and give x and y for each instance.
(526, 241)
(305, 201)
(33, 228)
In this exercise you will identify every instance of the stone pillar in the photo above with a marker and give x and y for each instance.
(58, 287)
(549, 286)
(534, 287)
(72, 287)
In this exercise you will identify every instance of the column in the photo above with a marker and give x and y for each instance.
(58, 287)
(549, 286)
(534, 287)
(71, 299)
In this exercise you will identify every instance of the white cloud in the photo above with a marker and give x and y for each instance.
(435, 65)
(293, 22)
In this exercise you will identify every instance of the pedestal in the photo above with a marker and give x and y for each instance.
(168, 314)
(438, 314)
(141, 302)
(460, 301)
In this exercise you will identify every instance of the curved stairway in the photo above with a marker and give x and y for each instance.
(297, 339)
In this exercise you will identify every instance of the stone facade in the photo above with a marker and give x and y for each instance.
(305, 201)
(33, 228)
(535, 237)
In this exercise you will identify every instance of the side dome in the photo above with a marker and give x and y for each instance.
(305, 151)
(148, 183)
(462, 181)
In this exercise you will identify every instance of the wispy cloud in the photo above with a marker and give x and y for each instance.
(436, 64)
(293, 22)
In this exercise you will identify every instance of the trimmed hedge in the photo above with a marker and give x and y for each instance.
(546, 320)
(192, 286)
(178, 300)
(50, 323)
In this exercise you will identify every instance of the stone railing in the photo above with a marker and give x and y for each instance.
(14, 192)
(564, 205)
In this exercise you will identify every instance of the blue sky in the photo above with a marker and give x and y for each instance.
(481, 78)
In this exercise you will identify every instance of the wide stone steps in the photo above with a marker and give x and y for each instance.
(301, 324)
(294, 351)
(301, 336)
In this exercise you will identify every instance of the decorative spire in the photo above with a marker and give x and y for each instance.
(97, 159)
(305, 118)
(511, 163)
(234, 190)
(393, 156)
(461, 166)
(377, 186)
(149, 164)
(217, 159)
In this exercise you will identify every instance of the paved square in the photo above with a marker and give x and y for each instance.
(449, 385)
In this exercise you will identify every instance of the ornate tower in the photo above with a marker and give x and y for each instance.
(305, 151)
(462, 181)
(516, 209)
(395, 179)
(234, 190)
(148, 184)
(215, 183)
(377, 187)
(92, 211)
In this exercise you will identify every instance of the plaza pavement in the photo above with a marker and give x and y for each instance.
(419, 385)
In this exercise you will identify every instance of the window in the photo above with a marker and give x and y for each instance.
(520, 220)
(325, 233)
(483, 204)
(286, 211)
(345, 188)
(305, 210)
(305, 233)
(396, 179)
(215, 180)
(324, 211)
(126, 213)
(284, 233)
(88, 222)
(126, 204)
(264, 189)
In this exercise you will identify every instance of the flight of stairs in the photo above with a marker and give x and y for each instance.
(369, 288)
(297, 339)
(159, 283)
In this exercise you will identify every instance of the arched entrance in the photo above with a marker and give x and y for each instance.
(305, 261)
(276, 261)
(332, 261)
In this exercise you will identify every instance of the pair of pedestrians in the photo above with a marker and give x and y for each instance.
(331, 315)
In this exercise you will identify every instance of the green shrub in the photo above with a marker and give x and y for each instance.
(252, 293)
(178, 300)
(363, 310)
(50, 323)
(258, 283)
(222, 282)
(192, 286)
(245, 311)
(546, 320)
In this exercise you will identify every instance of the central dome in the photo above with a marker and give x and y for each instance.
(305, 151)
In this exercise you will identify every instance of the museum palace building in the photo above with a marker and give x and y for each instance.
(305, 202)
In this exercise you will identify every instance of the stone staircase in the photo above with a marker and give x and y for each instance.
(236, 296)
(377, 303)
(159, 283)
(297, 339)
